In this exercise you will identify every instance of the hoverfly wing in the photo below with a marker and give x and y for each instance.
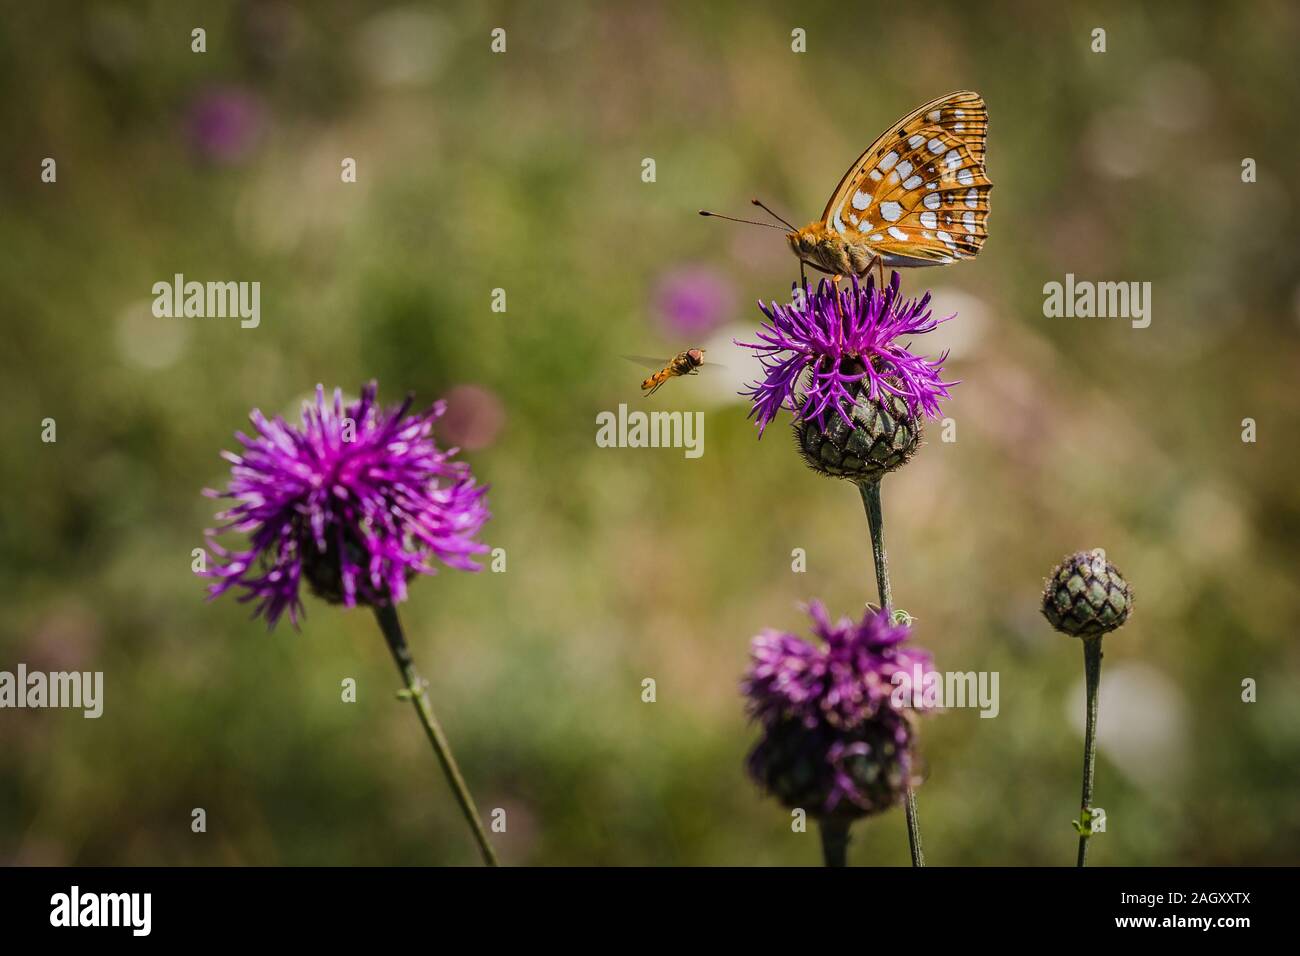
(647, 361)
(650, 361)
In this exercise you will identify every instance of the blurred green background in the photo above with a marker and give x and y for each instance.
(522, 171)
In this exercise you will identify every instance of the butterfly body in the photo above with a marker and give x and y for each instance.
(827, 250)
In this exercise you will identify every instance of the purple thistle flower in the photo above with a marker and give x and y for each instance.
(836, 773)
(356, 499)
(834, 741)
(846, 682)
(887, 746)
(827, 342)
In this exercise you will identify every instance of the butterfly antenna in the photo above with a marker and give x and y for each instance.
(773, 215)
(751, 222)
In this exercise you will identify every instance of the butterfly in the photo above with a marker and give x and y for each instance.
(918, 196)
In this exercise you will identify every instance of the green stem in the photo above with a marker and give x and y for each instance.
(415, 689)
(835, 841)
(871, 499)
(876, 522)
(914, 830)
(1092, 678)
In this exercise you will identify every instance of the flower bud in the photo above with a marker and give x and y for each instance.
(1086, 596)
(884, 436)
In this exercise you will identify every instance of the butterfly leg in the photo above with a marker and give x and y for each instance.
(878, 263)
(815, 266)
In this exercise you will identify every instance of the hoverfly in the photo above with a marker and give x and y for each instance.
(918, 196)
(686, 362)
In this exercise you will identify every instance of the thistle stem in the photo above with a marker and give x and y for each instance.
(1092, 680)
(876, 522)
(835, 842)
(415, 689)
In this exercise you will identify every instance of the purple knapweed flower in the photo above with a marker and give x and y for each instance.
(833, 773)
(846, 680)
(826, 342)
(356, 500)
(837, 739)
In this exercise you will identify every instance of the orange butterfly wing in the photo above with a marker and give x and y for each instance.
(919, 195)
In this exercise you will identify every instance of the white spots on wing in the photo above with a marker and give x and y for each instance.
(853, 219)
(875, 175)
(969, 220)
(953, 159)
(891, 178)
(959, 126)
(861, 200)
(931, 185)
(935, 146)
(915, 140)
(959, 114)
(932, 116)
(929, 220)
(888, 162)
(945, 238)
(836, 222)
(965, 177)
(912, 183)
(972, 198)
(897, 233)
(904, 168)
(877, 238)
(891, 210)
(931, 201)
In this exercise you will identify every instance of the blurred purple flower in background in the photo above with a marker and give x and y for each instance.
(693, 300)
(833, 741)
(845, 681)
(474, 418)
(223, 124)
(829, 341)
(833, 774)
(356, 499)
